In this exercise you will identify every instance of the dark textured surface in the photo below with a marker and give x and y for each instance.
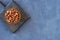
(43, 25)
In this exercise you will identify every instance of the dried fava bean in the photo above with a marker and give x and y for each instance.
(12, 16)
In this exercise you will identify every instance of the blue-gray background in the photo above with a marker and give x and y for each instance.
(43, 25)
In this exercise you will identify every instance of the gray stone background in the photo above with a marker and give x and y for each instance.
(43, 25)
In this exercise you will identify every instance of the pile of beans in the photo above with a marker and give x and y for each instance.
(12, 16)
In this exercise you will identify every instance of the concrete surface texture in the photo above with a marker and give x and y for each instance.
(43, 25)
